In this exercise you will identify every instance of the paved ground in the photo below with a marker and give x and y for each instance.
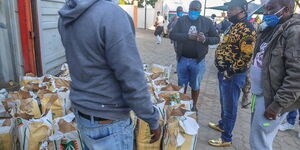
(209, 110)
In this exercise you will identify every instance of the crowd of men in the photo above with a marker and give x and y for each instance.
(99, 39)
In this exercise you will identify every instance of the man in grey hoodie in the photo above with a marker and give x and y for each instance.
(107, 74)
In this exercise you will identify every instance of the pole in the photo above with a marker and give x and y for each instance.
(204, 8)
(145, 14)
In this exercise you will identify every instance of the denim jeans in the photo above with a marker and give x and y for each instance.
(230, 90)
(117, 135)
(291, 117)
(190, 72)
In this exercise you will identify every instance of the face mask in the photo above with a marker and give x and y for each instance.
(249, 17)
(194, 15)
(270, 20)
(234, 19)
(179, 13)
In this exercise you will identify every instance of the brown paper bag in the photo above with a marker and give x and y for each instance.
(143, 137)
(55, 103)
(6, 142)
(32, 133)
(171, 87)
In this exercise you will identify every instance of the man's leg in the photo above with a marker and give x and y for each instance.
(219, 126)
(263, 131)
(291, 117)
(197, 71)
(291, 120)
(98, 136)
(183, 73)
(231, 92)
(246, 91)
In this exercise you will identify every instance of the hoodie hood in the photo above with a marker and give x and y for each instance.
(73, 9)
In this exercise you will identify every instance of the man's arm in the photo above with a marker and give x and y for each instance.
(176, 33)
(213, 37)
(123, 58)
(289, 92)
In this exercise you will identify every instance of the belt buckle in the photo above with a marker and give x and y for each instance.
(105, 121)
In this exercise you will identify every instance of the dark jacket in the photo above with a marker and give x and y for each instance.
(224, 25)
(106, 70)
(281, 67)
(180, 35)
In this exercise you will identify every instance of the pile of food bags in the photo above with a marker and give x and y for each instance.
(178, 122)
(38, 115)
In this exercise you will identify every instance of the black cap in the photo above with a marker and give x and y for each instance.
(240, 3)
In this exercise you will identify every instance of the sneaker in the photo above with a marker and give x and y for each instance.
(286, 126)
(219, 143)
(215, 127)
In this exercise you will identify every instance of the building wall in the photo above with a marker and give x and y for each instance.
(11, 64)
(141, 15)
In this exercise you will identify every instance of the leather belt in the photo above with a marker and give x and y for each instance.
(100, 120)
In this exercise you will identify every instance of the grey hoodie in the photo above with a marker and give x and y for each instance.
(106, 70)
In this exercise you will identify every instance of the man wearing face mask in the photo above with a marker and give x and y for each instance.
(232, 59)
(179, 13)
(193, 33)
(107, 74)
(173, 21)
(275, 72)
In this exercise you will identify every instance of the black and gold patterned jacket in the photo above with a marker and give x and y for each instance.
(234, 54)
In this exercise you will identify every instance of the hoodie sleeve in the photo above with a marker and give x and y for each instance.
(123, 58)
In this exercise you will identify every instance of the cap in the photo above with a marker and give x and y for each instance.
(241, 3)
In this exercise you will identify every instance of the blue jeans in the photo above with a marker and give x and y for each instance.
(230, 90)
(117, 135)
(291, 117)
(190, 72)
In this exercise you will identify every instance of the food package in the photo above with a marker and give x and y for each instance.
(54, 102)
(143, 136)
(30, 79)
(181, 133)
(24, 108)
(66, 135)
(3, 94)
(28, 109)
(6, 136)
(172, 87)
(62, 82)
(176, 99)
(155, 68)
(65, 71)
(31, 133)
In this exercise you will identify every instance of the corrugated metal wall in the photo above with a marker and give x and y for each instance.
(52, 50)
(10, 50)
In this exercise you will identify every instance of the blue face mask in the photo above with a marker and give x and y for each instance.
(180, 13)
(249, 17)
(271, 20)
(194, 15)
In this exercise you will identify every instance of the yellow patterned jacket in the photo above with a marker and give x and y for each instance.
(235, 52)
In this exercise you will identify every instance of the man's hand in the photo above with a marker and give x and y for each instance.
(226, 76)
(270, 114)
(201, 37)
(193, 36)
(156, 134)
